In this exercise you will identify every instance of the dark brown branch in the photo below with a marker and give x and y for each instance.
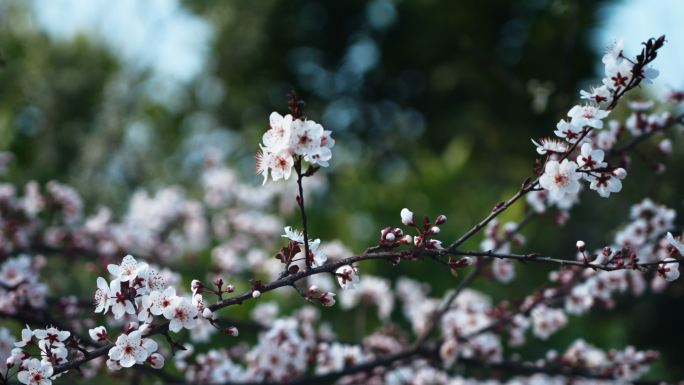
(560, 262)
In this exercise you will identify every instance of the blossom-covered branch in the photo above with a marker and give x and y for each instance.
(145, 306)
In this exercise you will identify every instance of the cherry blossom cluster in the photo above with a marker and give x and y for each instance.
(131, 348)
(643, 240)
(564, 168)
(140, 292)
(426, 231)
(284, 352)
(19, 284)
(290, 140)
(500, 238)
(51, 347)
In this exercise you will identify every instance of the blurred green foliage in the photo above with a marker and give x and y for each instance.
(432, 104)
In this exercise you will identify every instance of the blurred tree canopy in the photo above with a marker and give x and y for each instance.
(432, 104)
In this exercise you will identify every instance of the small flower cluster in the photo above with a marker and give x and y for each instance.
(325, 298)
(131, 348)
(19, 285)
(547, 321)
(425, 232)
(139, 290)
(290, 140)
(51, 344)
(469, 314)
(499, 238)
(369, 290)
(286, 349)
(316, 257)
(641, 241)
(417, 307)
(624, 365)
(162, 225)
(562, 179)
(562, 173)
(332, 357)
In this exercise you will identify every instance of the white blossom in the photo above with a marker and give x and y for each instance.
(560, 179)
(98, 334)
(591, 116)
(35, 373)
(182, 314)
(347, 277)
(128, 350)
(128, 269)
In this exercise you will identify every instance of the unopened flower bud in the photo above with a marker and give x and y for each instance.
(313, 290)
(441, 220)
(406, 239)
(256, 294)
(407, 217)
(156, 360)
(581, 246)
(230, 289)
(389, 237)
(434, 244)
(327, 299)
(131, 326)
(196, 286)
(434, 229)
(231, 331)
(207, 313)
(665, 146)
(620, 173)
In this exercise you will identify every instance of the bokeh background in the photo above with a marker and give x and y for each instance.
(432, 104)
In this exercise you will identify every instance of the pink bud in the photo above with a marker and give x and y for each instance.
(581, 246)
(441, 219)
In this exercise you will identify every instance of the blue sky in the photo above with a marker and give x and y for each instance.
(161, 35)
(636, 20)
(157, 34)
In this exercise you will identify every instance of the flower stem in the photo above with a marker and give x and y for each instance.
(300, 202)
